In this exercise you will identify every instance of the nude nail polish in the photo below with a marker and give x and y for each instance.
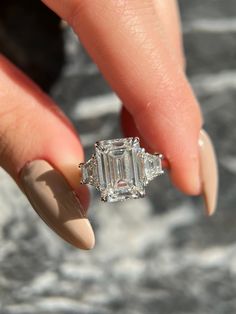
(208, 172)
(55, 202)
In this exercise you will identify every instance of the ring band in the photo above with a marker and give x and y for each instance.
(120, 169)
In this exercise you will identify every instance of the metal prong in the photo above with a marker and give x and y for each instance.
(159, 155)
(137, 138)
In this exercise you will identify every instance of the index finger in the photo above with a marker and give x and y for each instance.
(126, 41)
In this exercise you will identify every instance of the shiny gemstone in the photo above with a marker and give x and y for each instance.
(89, 172)
(152, 166)
(120, 169)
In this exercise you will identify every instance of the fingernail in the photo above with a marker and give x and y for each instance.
(208, 172)
(55, 202)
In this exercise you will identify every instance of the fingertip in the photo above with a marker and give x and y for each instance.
(81, 233)
(182, 163)
(183, 159)
(52, 198)
(186, 178)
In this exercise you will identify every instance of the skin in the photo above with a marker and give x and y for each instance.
(137, 45)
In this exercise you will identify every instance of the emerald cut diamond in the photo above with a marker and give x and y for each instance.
(120, 169)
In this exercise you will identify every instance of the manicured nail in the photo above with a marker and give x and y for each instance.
(208, 172)
(55, 202)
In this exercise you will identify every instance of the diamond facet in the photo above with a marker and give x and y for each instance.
(152, 166)
(119, 169)
(89, 172)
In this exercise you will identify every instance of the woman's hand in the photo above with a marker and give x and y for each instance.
(138, 47)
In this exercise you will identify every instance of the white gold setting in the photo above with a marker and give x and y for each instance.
(120, 169)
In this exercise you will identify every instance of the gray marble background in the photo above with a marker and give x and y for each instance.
(156, 255)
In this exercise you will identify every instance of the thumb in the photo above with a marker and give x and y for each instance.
(40, 150)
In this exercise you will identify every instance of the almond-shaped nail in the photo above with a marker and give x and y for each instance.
(208, 172)
(55, 202)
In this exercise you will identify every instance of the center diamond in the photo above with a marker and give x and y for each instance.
(120, 169)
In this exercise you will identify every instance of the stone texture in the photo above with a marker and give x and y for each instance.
(153, 255)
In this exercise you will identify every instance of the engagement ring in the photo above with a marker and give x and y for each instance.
(120, 169)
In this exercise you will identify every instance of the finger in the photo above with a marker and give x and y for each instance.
(168, 13)
(40, 150)
(125, 39)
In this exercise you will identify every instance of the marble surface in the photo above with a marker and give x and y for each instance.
(156, 255)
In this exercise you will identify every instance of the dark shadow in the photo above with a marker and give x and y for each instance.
(31, 37)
